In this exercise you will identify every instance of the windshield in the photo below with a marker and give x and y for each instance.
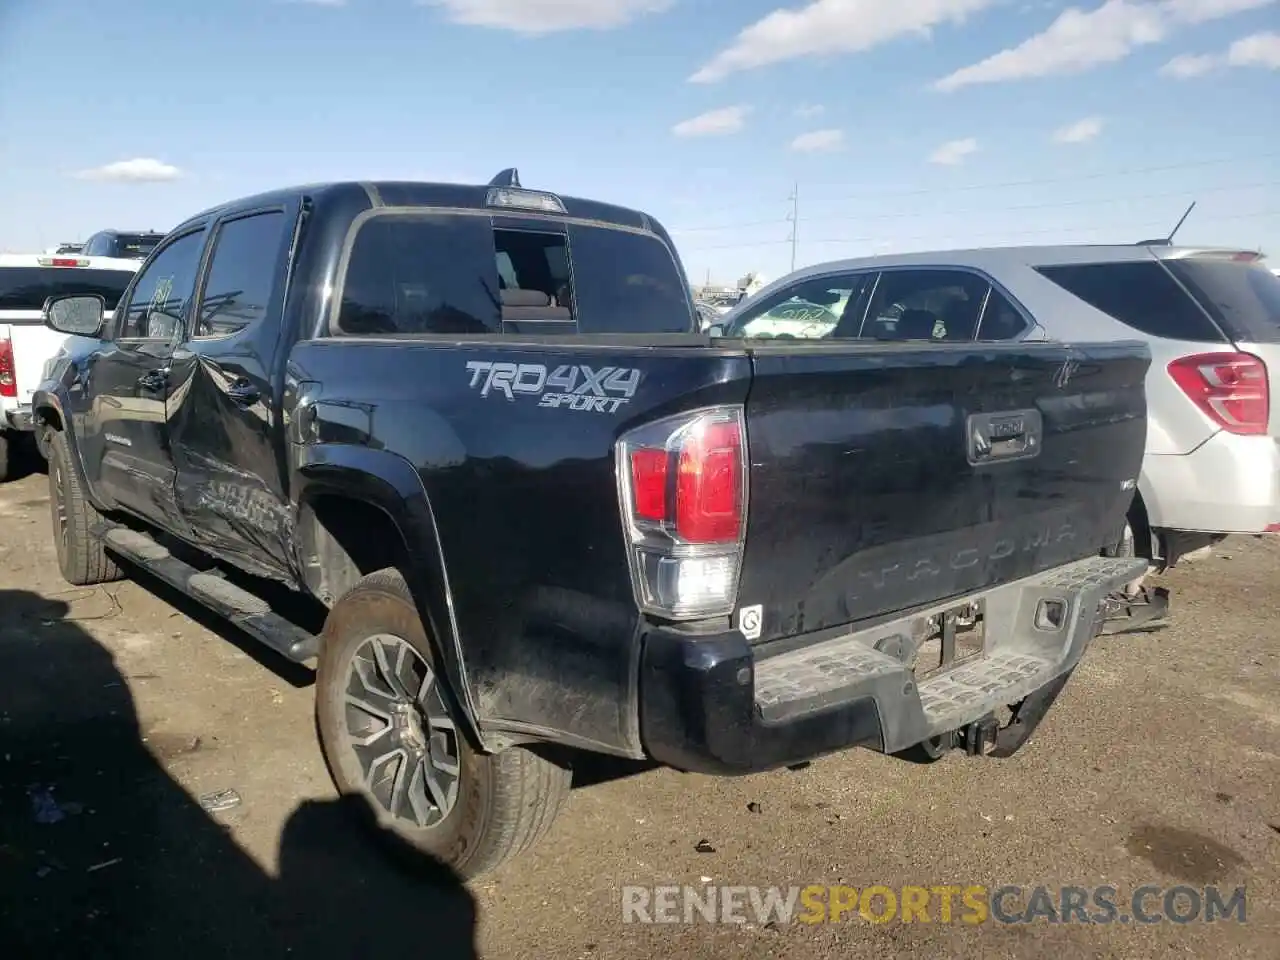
(27, 288)
(1243, 297)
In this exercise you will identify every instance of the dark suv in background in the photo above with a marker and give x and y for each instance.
(126, 245)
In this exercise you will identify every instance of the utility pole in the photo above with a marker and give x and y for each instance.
(794, 217)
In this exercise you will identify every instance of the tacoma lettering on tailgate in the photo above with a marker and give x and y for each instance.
(577, 387)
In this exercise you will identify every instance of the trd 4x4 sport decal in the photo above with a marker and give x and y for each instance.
(577, 387)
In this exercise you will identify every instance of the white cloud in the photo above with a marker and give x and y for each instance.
(1082, 131)
(818, 140)
(1079, 40)
(1074, 42)
(1201, 11)
(1187, 65)
(713, 123)
(953, 152)
(829, 27)
(1256, 50)
(548, 16)
(808, 111)
(139, 170)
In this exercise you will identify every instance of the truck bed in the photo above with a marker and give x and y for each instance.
(882, 478)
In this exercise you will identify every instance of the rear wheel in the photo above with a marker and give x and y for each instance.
(388, 729)
(4, 457)
(81, 557)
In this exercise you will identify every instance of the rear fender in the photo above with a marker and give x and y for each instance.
(390, 483)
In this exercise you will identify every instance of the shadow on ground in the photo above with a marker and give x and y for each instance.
(24, 458)
(103, 855)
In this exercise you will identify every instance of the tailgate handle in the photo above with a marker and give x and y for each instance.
(1007, 435)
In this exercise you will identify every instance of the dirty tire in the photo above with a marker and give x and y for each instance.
(506, 802)
(81, 558)
(4, 458)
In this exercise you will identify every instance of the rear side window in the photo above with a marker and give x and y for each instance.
(925, 305)
(1243, 298)
(627, 283)
(1139, 294)
(27, 288)
(241, 274)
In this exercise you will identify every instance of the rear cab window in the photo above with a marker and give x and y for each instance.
(25, 288)
(1141, 294)
(474, 274)
(1242, 296)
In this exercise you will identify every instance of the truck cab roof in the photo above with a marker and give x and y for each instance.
(404, 193)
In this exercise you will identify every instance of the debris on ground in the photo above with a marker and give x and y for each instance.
(754, 807)
(46, 809)
(222, 800)
(704, 846)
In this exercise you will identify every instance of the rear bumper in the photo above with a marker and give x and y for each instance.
(18, 418)
(714, 705)
(1229, 484)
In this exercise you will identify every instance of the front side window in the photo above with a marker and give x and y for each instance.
(927, 304)
(813, 309)
(242, 274)
(159, 299)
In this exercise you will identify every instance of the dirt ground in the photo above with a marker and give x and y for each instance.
(121, 706)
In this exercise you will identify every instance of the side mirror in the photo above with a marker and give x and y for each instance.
(715, 330)
(79, 315)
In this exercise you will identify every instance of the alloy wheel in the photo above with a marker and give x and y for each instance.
(399, 729)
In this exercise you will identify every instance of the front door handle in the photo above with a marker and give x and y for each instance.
(244, 393)
(154, 381)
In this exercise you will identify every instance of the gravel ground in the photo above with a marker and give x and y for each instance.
(121, 707)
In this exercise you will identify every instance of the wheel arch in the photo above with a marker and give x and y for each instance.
(358, 509)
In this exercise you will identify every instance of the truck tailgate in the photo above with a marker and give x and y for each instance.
(886, 477)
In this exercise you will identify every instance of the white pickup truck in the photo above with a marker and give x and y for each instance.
(26, 344)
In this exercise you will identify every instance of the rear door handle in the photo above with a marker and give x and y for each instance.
(154, 380)
(244, 393)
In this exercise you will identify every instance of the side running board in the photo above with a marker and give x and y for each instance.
(250, 613)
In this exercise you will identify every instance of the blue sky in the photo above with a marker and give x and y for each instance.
(906, 124)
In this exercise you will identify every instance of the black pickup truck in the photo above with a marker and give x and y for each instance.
(545, 514)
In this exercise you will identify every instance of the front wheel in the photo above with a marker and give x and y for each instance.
(388, 730)
(81, 557)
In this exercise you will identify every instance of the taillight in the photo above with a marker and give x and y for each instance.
(683, 483)
(62, 262)
(8, 375)
(1231, 388)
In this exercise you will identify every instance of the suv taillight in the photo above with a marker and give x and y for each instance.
(8, 375)
(1231, 388)
(683, 484)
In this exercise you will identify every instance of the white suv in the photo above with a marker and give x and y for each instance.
(26, 344)
(1210, 316)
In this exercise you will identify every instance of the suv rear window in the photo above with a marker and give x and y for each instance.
(1242, 297)
(27, 288)
(1140, 294)
(465, 274)
(136, 245)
